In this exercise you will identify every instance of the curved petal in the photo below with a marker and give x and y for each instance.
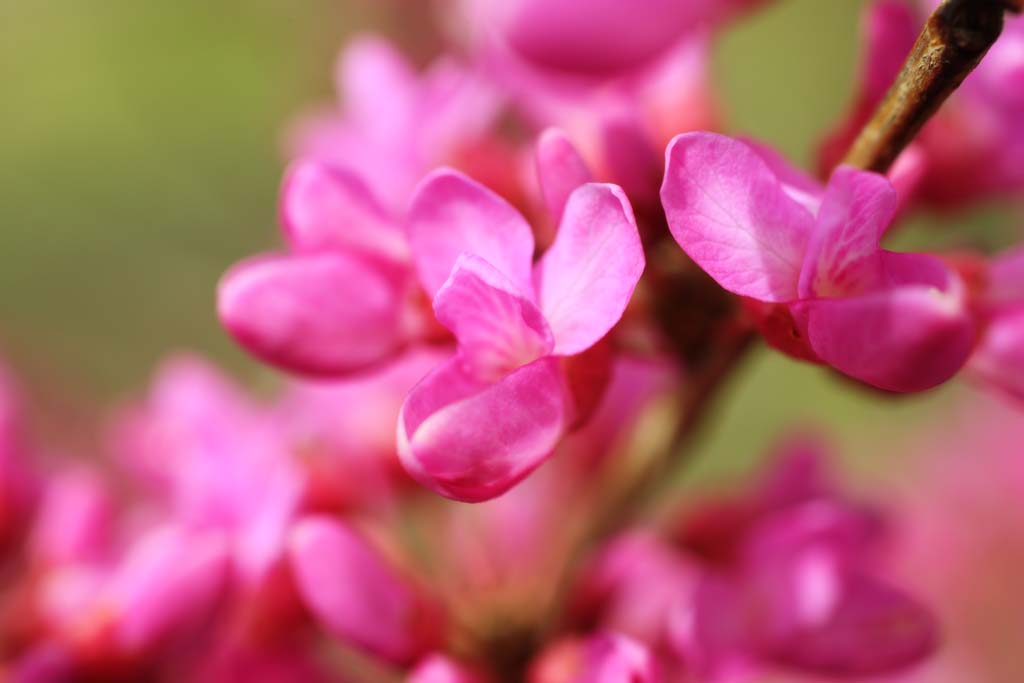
(377, 85)
(452, 214)
(585, 280)
(497, 328)
(168, 580)
(872, 629)
(732, 216)
(471, 441)
(324, 313)
(560, 170)
(904, 339)
(844, 257)
(325, 207)
(562, 34)
(999, 358)
(797, 184)
(356, 594)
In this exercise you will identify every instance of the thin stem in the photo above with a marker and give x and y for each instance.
(952, 43)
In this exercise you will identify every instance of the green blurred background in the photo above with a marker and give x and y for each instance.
(140, 157)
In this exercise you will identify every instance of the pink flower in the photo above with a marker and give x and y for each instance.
(999, 358)
(974, 147)
(360, 597)
(395, 125)
(164, 585)
(341, 299)
(215, 462)
(790, 583)
(809, 261)
(482, 421)
(781, 577)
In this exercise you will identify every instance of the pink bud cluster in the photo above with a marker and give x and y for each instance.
(492, 274)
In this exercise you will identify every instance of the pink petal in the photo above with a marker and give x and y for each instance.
(75, 519)
(328, 208)
(356, 594)
(731, 215)
(844, 257)
(585, 280)
(999, 358)
(327, 313)
(632, 158)
(169, 580)
(452, 214)
(562, 34)
(890, 31)
(904, 339)
(497, 328)
(471, 441)
(378, 86)
(616, 658)
(560, 170)
(799, 185)
(874, 629)
(442, 669)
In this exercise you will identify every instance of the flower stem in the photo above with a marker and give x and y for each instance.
(952, 43)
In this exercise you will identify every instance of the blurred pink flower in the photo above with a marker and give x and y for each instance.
(358, 596)
(780, 578)
(809, 259)
(999, 357)
(974, 147)
(394, 125)
(483, 420)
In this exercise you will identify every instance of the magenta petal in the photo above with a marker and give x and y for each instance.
(844, 256)
(471, 441)
(890, 31)
(585, 280)
(378, 85)
(327, 313)
(497, 328)
(594, 36)
(799, 185)
(560, 170)
(169, 581)
(731, 214)
(613, 658)
(873, 629)
(329, 208)
(904, 339)
(452, 214)
(999, 358)
(439, 668)
(356, 594)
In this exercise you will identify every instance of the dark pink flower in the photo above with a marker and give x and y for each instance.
(482, 421)
(764, 231)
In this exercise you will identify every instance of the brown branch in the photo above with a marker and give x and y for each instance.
(952, 43)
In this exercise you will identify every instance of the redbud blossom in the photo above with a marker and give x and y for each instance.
(896, 321)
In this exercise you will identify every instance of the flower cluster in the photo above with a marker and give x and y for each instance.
(531, 252)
